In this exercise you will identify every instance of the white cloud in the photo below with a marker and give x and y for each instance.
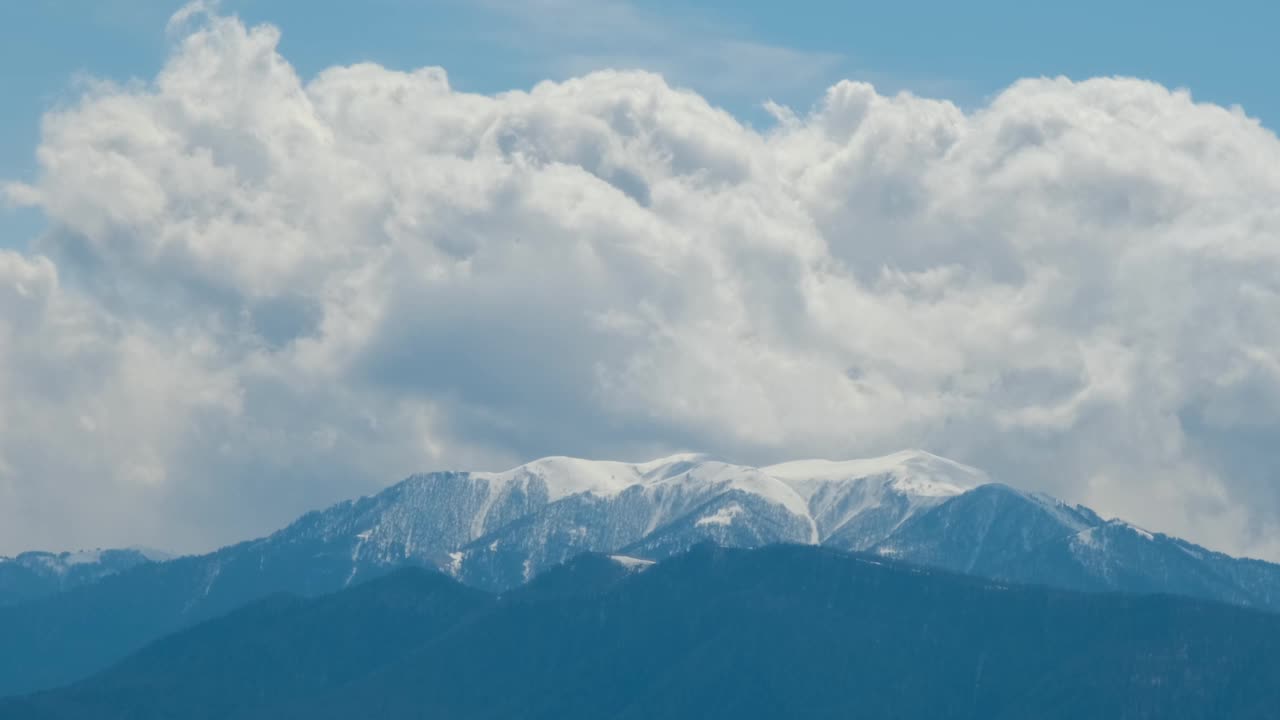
(261, 295)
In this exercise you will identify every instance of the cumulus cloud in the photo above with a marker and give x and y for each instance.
(261, 293)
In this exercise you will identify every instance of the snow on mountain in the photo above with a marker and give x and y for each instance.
(536, 515)
(617, 505)
(36, 574)
(98, 561)
(723, 517)
(857, 503)
(564, 476)
(913, 471)
(734, 518)
(633, 564)
(984, 529)
(497, 530)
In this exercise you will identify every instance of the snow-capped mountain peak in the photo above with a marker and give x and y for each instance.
(514, 523)
(36, 574)
(499, 529)
(564, 476)
(913, 471)
(102, 560)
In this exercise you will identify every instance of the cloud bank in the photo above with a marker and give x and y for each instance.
(260, 294)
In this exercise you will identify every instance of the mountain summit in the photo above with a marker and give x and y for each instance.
(36, 574)
(497, 530)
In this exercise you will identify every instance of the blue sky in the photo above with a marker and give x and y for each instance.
(1225, 53)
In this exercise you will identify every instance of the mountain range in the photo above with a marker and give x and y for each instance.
(496, 531)
(33, 575)
(783, 631)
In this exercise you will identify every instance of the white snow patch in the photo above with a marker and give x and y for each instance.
(478, 520)
(355, 555)
(455, 563)
(723, 517)
(81, 557)
(923, 478)
(1136, 530)
(152, 554)
(634, 564)
(1060, 510)
(678, 477)
(674, 463)
(913, 472)
(1193, 553)
(565, 476)
(1086, 538)
(59, 563)
(211, 576)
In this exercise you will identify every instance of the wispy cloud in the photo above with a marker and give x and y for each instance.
(571, 37)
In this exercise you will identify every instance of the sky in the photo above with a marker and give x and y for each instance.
(255, 259)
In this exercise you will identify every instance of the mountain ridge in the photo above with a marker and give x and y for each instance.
(782, 631)
(495, 531)
(36, 573)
